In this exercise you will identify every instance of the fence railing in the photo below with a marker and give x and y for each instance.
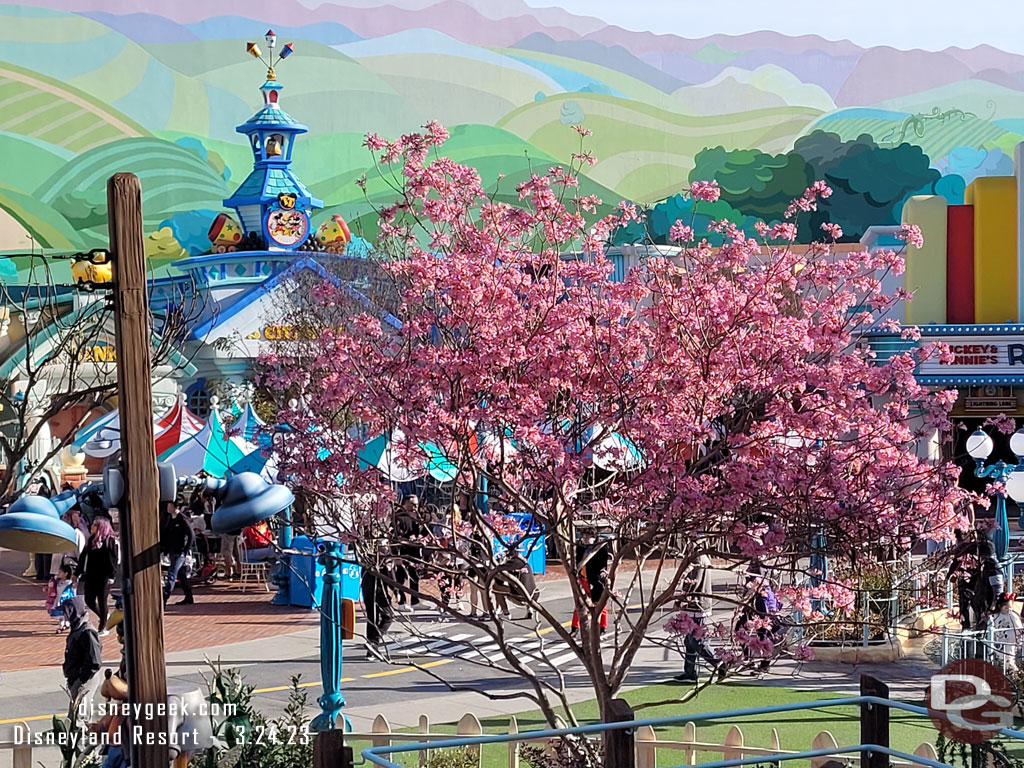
(646, 744)
(733, 747)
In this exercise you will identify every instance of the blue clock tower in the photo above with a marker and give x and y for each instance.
(272, 204)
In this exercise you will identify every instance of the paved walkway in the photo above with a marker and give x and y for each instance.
(223, 614)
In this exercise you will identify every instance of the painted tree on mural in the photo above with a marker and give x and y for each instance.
(714, 404)
(756, 183)
(869, 183)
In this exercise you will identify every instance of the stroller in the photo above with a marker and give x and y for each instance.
(204, 567)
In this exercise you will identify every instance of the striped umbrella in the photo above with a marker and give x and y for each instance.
(210, 450)
(612, 452)
(176, 425)
(248, 426)
(102, 437)
(387, 454)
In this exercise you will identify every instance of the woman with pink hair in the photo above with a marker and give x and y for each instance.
(97, 568)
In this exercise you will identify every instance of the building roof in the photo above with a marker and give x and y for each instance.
(264, 184)
(272, 116)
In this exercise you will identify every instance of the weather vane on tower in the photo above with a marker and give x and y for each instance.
(254, 50)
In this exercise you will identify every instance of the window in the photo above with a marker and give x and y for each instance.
(198, 399)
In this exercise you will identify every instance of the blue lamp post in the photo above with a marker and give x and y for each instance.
(980, 446)
(332, 700)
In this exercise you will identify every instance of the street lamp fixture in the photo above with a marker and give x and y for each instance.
(980, 447)
(33, 524)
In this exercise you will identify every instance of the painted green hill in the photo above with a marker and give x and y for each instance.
(28, 160)
(936, 135)
(173, 179)
(491, 151)
(53, 112)
(44, 223)
(645, 153)
(108, 75)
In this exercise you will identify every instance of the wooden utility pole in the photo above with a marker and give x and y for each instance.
(139, 508)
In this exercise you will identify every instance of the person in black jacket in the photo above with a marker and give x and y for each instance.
(988, 585)
(82, 655)
(97, 567)
(408, 551)
(177, 539)
(376, 602)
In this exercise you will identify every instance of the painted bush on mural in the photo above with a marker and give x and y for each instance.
(870, 184)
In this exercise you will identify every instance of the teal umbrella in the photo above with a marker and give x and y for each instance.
(210, 450)
(383, 454)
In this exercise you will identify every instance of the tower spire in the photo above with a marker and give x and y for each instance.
(273, 205)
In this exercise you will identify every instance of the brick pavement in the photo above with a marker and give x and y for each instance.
(223, 614)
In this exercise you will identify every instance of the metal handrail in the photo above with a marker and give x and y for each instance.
(375, 754)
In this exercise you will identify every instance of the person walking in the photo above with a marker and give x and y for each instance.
(759, 612)
(409, 550)
(962, 569)
(695, 608)
(1007, 632)
(177, 539)
(82, 651)
(376, 602)
(988, 585)
(592, 556)
(97, 567)
(475, 547)
(694, 644)
(231, 552)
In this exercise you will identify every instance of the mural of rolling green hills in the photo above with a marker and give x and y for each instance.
(87, 90)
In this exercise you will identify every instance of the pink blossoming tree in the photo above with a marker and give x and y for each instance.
(716, 402)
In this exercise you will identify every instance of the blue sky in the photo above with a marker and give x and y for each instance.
(928, 24)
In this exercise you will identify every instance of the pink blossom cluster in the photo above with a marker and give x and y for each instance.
(680, 233)
(706, 191)
(911, 234)
(808, 201)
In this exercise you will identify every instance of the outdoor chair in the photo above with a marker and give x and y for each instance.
(254, 569)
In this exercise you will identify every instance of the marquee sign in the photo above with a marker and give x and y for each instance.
(982, 355)
(977, 356)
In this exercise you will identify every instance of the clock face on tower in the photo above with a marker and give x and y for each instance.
(287, 228)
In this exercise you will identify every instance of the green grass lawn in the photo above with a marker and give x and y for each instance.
(796, 730)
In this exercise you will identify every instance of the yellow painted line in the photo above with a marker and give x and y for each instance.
(403, 670)
(25, 719)
(301, 685)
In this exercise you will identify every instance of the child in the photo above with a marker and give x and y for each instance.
(60, 588)
(1007, 632)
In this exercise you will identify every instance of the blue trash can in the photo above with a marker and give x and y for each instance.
(533, 547)
(306, 581)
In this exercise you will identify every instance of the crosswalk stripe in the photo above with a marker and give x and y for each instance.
(450, 642)
(557, 662)
(535, 649)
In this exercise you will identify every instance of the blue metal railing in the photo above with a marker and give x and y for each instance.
(376, 755)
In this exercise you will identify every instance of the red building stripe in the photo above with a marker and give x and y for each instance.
(960, 264)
